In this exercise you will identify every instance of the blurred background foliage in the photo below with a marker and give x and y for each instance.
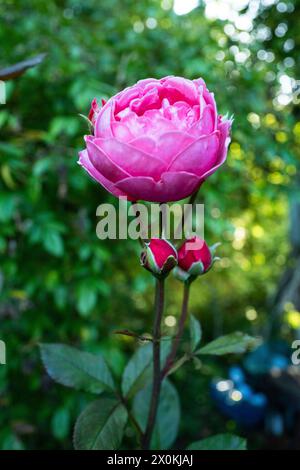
(58, 282)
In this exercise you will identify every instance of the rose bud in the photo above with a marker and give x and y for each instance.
(94, 111)
(159, 257)
(195, 258)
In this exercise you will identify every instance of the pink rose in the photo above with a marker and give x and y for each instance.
(159, 256)
(157, 140)
(195, 261)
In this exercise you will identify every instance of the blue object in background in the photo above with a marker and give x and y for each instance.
(279, 361)
(236, 374)
(237, 399)
(267, 356)
(246, 391)
(274, 423)
(259, 399)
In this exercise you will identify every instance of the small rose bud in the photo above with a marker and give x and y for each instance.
(194, 259)
(159, 257)
(94, 111)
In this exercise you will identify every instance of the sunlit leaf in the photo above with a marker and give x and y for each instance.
(235, 343)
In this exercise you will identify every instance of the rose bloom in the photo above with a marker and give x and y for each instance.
(157, 140)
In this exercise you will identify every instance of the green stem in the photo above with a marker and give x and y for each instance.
(159, 305)
(184, 311)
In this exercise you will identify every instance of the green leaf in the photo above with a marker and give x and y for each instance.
(220, 442)
(138, 370)
(168, 414)
(235, 343)
(195, 332)
(53, 243)
(177, 364)
(8, 203)
(87, 299)
(12, 442)
(67, 125)
(100, 426)
(42, 166)
(77, 369)
(197, 363)
(61, 423)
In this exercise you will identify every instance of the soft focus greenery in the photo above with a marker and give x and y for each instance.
(58, 282)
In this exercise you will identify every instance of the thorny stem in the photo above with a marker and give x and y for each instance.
(184, 311)
(159, 305)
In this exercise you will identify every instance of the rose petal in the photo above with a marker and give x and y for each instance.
(124, 98)
(149, 101)
(225, 140)
(103, 163)
(136, 125)
(105, 119)
(206, 124)
(121, 131)
(170, 144)
(178, 89)
(146, 81)
(199, 157)
(171, 187)
(166, 147)
(154, 124)
(224, 128)
(144, 143)
(85, 162)
(130, 159)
